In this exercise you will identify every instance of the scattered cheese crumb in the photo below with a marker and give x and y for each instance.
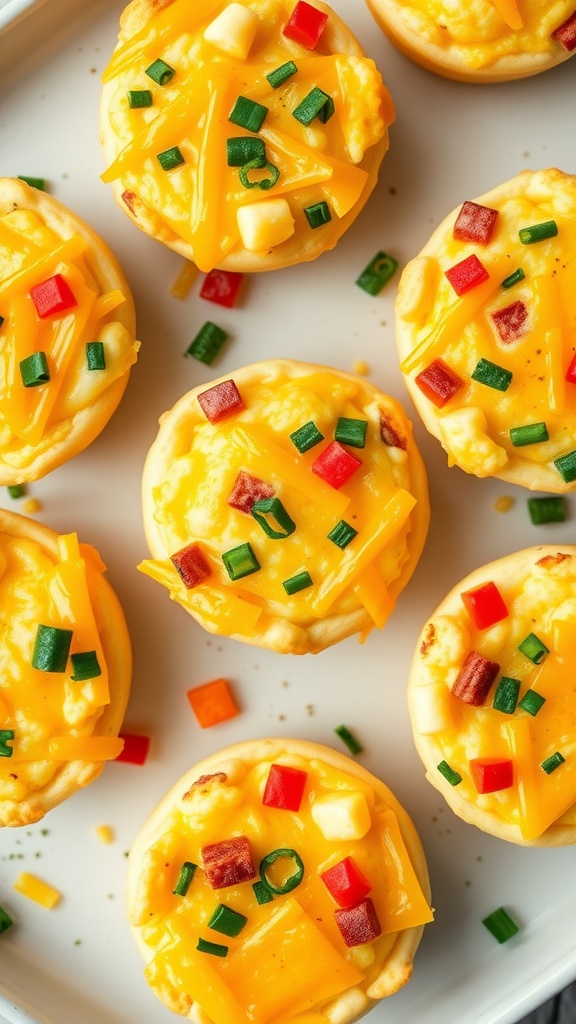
(31, 505)
(185, 280)
(104, 833)
(504, 503)
(35, 889)
(361, 368)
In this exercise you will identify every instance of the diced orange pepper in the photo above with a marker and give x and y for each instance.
(212, 703)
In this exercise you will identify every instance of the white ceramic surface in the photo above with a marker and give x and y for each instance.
(451, 142)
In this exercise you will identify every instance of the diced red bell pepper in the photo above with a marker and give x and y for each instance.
(52, 296)
(221, 287)
(358, 924)
(485, 605)
(571, 372)
(335, 465)
(222, 400)
(475, 679)
(389, 433)
(475, 223)
(284, 787)
(438, 382)
(467, 274)
(566, 33)
(247, 490)
(228, 862)
(511, 321)
(490, 774)
(305, 25)
(191, 565)
(135, 748)
(346, 883)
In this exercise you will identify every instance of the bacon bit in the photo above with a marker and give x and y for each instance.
(438, 382)
(549, 561)
(228, 862)
(221, 400)
(475, 679)
(511, 321)
(566, 33)
(191, 565)
(129, 199)
(389, 435)
(429, 639)
(358, 924)
(247, 490)
(475, 223)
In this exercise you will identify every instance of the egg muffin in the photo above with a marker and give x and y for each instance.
(492, 697)
(246, 136)
(285, 506)
(485, 330)
(66, 331)
(65, 668)
(480, 40)
(277, 879)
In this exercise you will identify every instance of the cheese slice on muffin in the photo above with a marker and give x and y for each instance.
(285, 506)
(484, 326)
(277, 880)
(66, 667)
(492, 697)
(244, 136)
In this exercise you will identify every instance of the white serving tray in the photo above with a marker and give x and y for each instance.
(451, 142)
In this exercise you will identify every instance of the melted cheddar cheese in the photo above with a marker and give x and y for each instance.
(201, 206)
(191, 473)
(290, 959)
(538, 588)
(525, 329)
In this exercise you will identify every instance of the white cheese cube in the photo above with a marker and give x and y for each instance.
(342, 815)
(265, 224)
(233, 31)
(431, 709)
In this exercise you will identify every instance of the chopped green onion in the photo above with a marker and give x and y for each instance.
(207, 343)
(531, 702)
(6, 735)
(34, 370)
(351, 432)
(262, 893)
(281, 74)
(538, 232)
(377, 273)
(85, 666)
(227, 921)
(500, 925)
(38, 183)
(318, 214)
(514, 278)
(17, 490)
(552, 763)
(533, 648)
(51, 648)
(349, 739)
(240, 561)
(449, 774)
(342, 534)
(306, 437)
(160, 72)
(301, 581)
(506, 696)
(492, 375)
(292, 881)
(547, 510)
(95, 358)
(531, 433)
(240, 151)
(273, 507)
(248, 114)
(5, 920)
(187, 872)
(139, 98)
(316, 104)
(170, 158)
(566, 466)
(214, 948)
(263, 183)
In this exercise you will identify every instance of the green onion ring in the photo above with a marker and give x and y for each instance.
(257, 164)
(292, 882)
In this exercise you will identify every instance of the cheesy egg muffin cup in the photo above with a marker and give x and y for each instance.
(66, 332)
(244, 136)
(66, 668)
(483, 40)
(278, 879)
(492, 697)
(285, 506)
(485, 332)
